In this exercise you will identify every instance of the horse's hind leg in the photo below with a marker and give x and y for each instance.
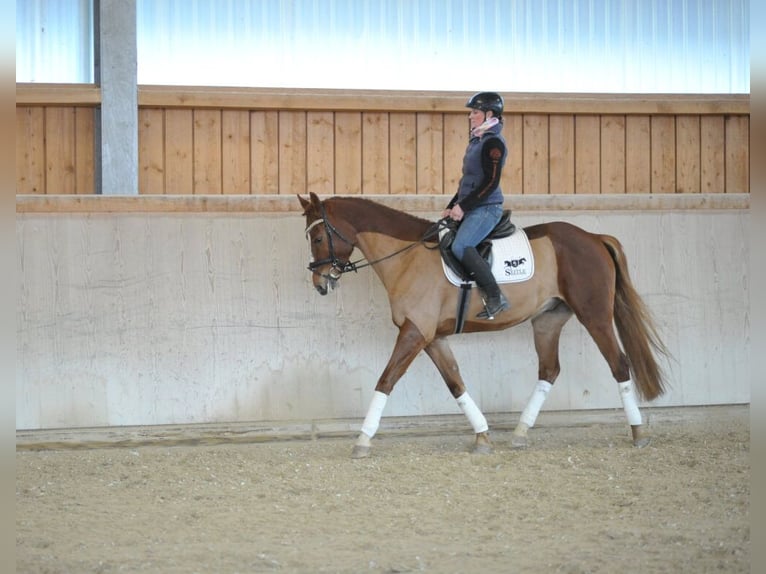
(547, 330)
(445, 362)
(599, 323)
(606, 340)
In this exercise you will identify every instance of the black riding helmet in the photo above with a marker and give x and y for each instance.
(486, 101)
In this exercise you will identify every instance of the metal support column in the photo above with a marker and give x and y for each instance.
(116, 56)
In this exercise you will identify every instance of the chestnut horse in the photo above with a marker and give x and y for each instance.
(576, 272)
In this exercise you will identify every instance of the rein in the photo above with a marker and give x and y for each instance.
(345, 267)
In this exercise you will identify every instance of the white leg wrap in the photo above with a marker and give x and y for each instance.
(472, 412)
(372, 420)
(535, 403)
(628, 396)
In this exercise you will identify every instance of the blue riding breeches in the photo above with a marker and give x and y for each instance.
(475, 226)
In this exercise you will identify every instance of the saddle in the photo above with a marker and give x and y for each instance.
(504, 228)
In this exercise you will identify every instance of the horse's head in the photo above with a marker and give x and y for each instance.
(330, 242)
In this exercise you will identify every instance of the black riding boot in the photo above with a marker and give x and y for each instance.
(494, 300)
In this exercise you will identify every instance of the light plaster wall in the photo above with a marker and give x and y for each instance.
(141, 318)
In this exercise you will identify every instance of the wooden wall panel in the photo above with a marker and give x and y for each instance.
(663, 148)
(264, 154)
(512, 179)
(712, 152)
(60, 150)
(30, 150)
(348, 153)
(688, 154)
(55, 150)
(535, 166)
(151, 151)
(430, 158)
(208, 171)
(179, 152)
(562, 154)
(235, 152)
(693, 146)
(320, 152)
(292, 152)
(456, 129)
(612, 154)
(85, 150)
(375, 153)
(587, 154)
(638, 156)
(737, 154)
(403, 130)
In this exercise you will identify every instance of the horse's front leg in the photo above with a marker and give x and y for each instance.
(409, 343)
(441, 354)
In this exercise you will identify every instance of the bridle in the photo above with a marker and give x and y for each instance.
(338, 267)
(336, 264)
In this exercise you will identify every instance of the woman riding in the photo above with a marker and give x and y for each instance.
(478, 202)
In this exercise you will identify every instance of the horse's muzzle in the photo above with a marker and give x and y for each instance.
(325, 282)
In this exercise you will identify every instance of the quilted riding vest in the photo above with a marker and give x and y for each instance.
(473, 172)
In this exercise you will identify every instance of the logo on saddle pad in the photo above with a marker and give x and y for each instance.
(512, 260)
(512, 267)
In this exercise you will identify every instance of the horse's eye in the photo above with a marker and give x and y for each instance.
(318, 239)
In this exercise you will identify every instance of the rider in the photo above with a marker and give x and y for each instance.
(478, 203)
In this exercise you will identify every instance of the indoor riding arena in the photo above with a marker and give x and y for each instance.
(187, 401)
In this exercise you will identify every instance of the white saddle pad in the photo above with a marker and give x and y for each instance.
(512, 260)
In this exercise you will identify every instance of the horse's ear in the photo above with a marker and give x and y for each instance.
(314, 198)
(305, 203)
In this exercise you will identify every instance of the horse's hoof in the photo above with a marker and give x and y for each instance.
(640, 437)
(519, 442)
(360, 451)
(642, 442)
(481, 448)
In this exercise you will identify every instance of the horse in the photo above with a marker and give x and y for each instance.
(576, 273)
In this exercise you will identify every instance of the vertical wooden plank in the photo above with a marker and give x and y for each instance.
(403, 153)
(320, 142)
(512, 180)
(737, 130)
(292, 152)
(430, 158)
(207, 152)
(30, 150)
(151, 151)
(264, 152)
(59, 150)
(535, 154)
(85, 159)
(375, 154)
(587, 154)
(348, 153)
(663, 154)
(612, 154)
(712, 146)
(638, 156)
(561, 144)
(179, 152)
(235, 152)
(456, 131)
(687, 154)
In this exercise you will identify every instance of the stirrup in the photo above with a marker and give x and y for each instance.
(489, 313)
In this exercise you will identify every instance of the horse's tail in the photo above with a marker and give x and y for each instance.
(636, 328)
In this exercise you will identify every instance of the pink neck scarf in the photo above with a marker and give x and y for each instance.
(479, 131)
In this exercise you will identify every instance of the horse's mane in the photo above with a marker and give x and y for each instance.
(371, 216)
